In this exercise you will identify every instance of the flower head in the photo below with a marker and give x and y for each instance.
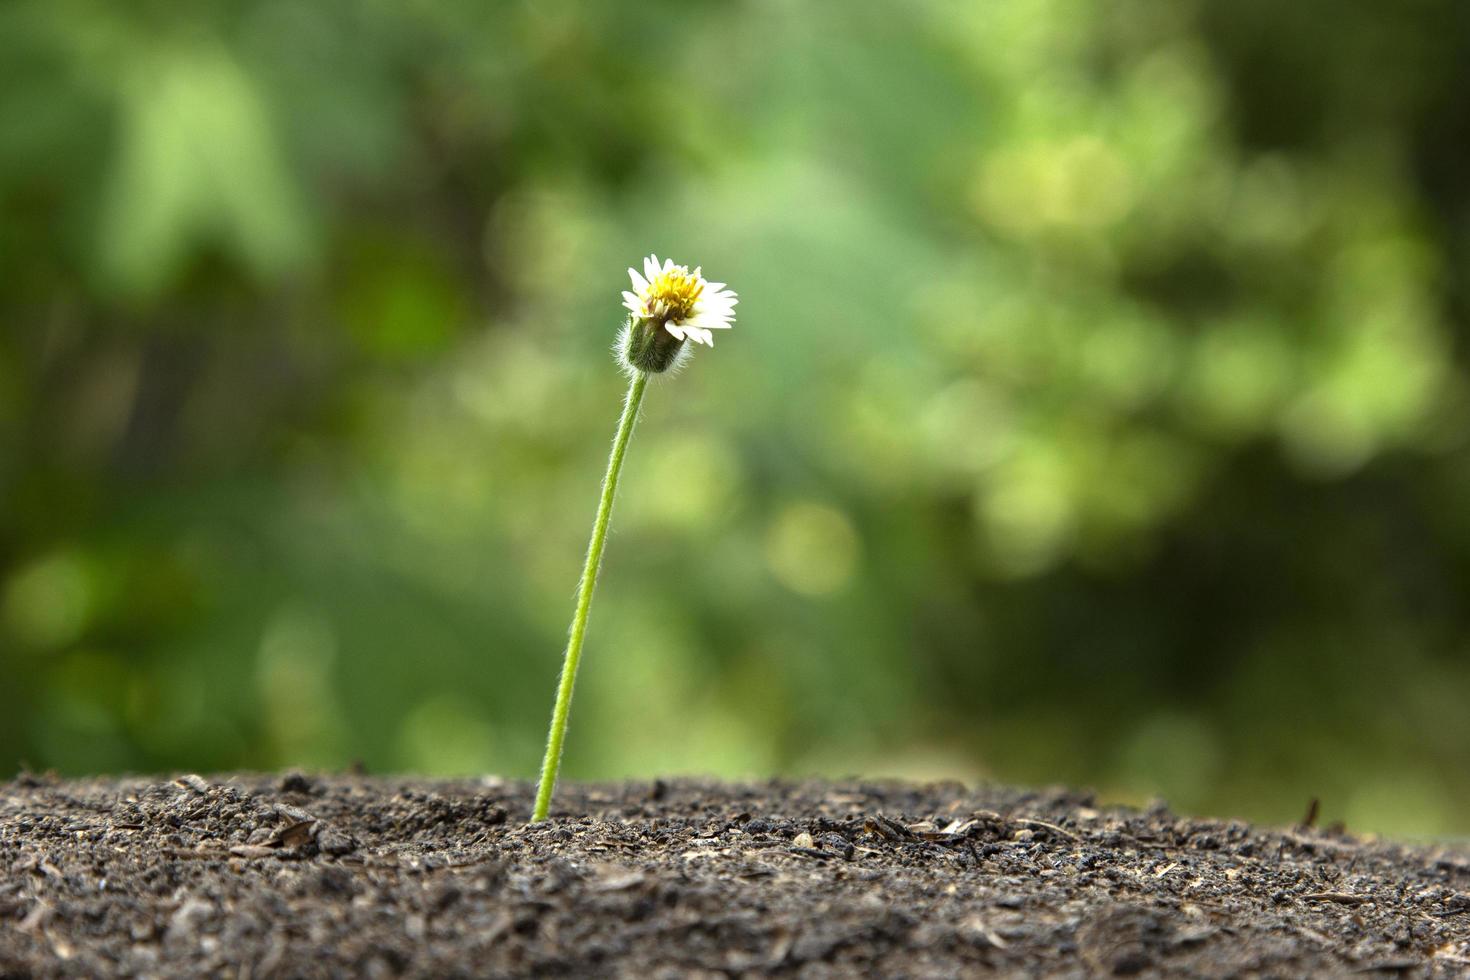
(680, 302)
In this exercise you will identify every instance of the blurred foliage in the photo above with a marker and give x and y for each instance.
(1097, 413)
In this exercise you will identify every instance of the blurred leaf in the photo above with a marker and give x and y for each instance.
(197, 166)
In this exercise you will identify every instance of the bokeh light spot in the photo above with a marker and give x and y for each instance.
(812, 548)
(49, 603)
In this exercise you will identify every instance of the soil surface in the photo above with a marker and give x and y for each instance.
(266, 876)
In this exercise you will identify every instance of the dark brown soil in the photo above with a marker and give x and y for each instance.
(255, 876)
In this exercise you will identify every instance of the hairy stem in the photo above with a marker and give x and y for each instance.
(559, 712)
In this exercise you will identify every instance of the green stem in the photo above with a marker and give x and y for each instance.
(558, 733)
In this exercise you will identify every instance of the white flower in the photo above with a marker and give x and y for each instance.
(683, 302)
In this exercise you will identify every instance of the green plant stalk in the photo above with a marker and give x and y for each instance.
(562, 708)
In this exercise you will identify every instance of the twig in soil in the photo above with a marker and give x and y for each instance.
(1341, 898)
(1452, 958)
(1032, 822)
(881, 826)
(1389, 966)
(404, 868)
(194, 782)
(1325, 843)
(36, 917)
(1327, 942)
(811, 852)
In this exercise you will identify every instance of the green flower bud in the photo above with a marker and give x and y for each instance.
(649, 348)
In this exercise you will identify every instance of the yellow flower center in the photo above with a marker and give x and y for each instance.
(672, 294)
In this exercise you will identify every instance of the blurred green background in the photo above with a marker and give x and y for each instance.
(1098, 411)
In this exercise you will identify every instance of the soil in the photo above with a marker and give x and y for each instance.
(306, 876)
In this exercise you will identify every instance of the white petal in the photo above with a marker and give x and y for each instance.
(650, 267)
(639, 283)
(705, 337)
(674, 330)
(707, 313)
